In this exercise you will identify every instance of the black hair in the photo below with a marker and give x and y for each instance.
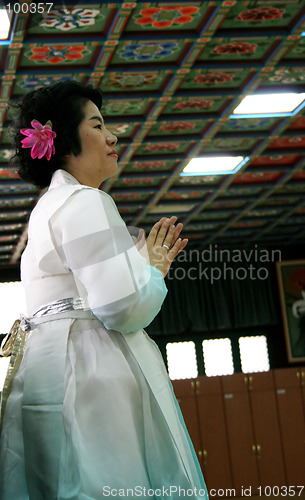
(62, 103)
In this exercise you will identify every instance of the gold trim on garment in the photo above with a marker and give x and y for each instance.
(12, 345)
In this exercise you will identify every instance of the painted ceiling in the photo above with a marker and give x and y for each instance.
(171, 73)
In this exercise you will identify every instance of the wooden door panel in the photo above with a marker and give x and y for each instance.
(185, 387)
(286, 377)
(189, 411)
(215, 458)
(292, 425)
(207, 385)
(234, 383)
(241, 441)
(269, 450)
(260, 381)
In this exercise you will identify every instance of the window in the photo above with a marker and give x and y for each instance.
(217, 354)
(181, 360)
(12, 302)
(254, 354)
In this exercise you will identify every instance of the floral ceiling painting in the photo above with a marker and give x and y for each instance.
(172, 74)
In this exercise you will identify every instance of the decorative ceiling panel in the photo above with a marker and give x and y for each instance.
(172, 73)
(93, 19)
(168, 17)
(44, 56)
(139, 52)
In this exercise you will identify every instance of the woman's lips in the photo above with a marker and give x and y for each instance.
(113, 153)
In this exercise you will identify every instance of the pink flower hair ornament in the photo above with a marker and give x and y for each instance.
(40, 138)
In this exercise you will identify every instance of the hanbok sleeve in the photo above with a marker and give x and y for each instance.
(123, 291)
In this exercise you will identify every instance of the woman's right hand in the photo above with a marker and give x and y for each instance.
(164, 232)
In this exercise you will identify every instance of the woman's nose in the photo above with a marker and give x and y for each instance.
(112, 139)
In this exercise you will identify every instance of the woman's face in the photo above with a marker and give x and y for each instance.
(97, 160)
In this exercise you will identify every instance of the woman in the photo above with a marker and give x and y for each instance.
(91, 412)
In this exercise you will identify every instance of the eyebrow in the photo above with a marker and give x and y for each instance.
(97, 118)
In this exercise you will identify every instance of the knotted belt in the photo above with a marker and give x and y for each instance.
(14, 342)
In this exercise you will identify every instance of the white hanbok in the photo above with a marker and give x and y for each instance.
(91, 413)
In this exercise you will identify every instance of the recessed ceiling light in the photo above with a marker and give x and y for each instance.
(262, 105)
(4, 25)
(169, 208)
(214, 165)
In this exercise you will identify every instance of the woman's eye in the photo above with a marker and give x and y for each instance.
(99, 126)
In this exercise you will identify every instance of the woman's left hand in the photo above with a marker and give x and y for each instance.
(162, 244)
(172, 235)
